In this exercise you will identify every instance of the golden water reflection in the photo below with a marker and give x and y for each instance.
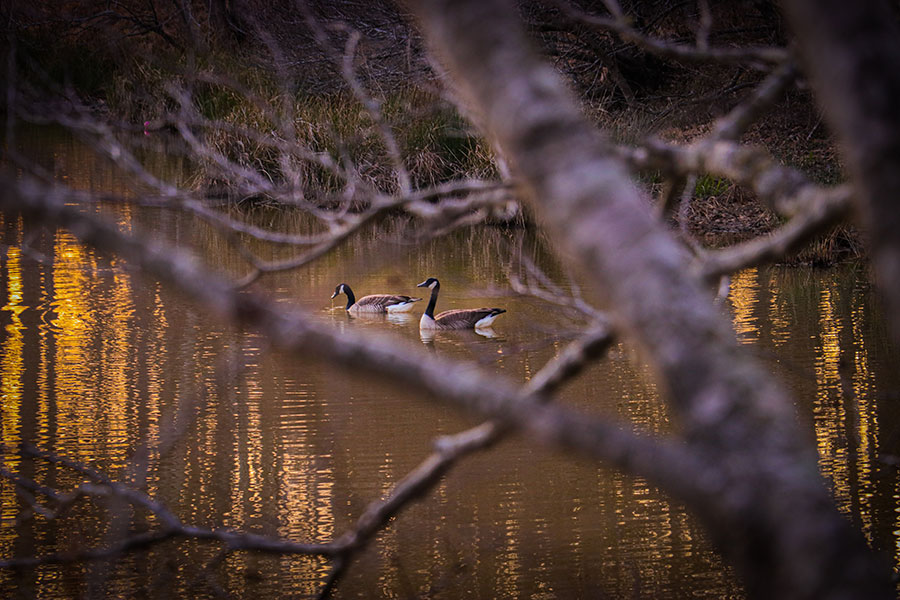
(297, 450)
(99, 362)
(12, 371)
(823, 324)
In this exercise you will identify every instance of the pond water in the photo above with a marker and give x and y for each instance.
(96, 360)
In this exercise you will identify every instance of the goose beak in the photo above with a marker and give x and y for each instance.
(333, 295)
(423, 284)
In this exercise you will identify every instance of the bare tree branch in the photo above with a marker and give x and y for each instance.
(731, 408)
(811, 209)
(621, 27)
(738, 461)
(733, 125)
(829, 209)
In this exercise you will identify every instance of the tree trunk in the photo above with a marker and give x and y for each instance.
(759, 494)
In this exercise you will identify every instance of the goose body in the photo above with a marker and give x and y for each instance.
(462, 318)
(375, 303)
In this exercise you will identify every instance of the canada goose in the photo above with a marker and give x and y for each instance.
(376, 303)
(464, 318)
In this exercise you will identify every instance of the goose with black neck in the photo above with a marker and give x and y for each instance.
(462, 318)
(375, 303)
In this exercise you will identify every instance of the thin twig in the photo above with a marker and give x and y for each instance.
(449, 450)
(619, 25)
(747, 112)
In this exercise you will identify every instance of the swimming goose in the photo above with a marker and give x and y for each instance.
(376, 303)
(464, 318)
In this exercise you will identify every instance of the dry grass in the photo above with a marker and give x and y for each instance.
(435, 143)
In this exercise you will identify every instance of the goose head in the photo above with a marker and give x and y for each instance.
(431, 282)
(339, 290)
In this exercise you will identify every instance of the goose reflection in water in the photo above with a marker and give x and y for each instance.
(428, 335)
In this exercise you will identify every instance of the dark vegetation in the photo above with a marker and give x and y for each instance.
(242, 65)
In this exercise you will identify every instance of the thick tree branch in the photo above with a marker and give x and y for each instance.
(811, 209)
(731, 408)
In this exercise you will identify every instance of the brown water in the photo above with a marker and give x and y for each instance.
(95, 359)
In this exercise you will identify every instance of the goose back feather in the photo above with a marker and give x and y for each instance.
(463, 318)
(375, 303)
(459, 318)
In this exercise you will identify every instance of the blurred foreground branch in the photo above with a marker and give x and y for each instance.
(730, 407)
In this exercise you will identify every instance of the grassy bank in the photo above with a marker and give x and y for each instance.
(250, 116)
(435, 144)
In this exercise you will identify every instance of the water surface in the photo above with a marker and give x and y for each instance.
(98, 362)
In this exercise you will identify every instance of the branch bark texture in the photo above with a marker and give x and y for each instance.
(763, 501)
